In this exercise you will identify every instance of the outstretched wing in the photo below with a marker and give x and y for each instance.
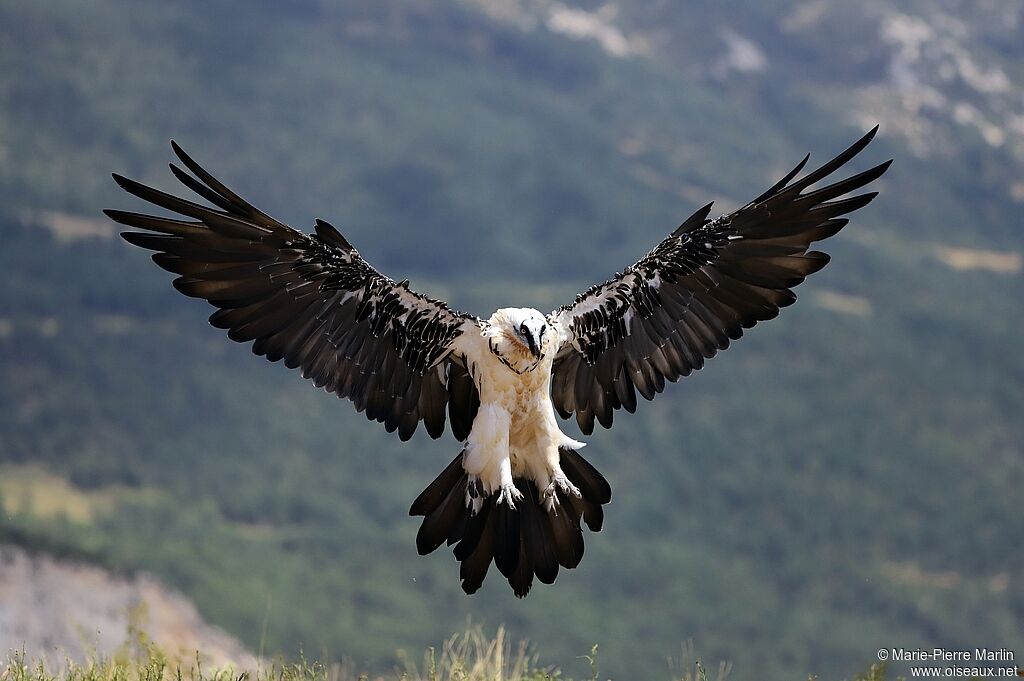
(312, 301)
(685, 300)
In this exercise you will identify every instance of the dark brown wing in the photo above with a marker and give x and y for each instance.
(663, 317)
(312, 301)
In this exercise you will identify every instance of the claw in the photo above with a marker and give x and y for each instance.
(509, 494)
(565, 485)
(559, 483)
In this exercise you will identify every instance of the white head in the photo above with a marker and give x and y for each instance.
(521, 336)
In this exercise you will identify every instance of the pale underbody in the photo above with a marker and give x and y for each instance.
(515, 433)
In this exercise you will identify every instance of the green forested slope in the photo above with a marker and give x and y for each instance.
(844, 478)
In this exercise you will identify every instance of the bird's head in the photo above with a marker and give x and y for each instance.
(520, 335)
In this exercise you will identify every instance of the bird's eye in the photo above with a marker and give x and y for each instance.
(523, 329)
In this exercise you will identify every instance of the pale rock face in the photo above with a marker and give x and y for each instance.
(515, 434)
(61, 611)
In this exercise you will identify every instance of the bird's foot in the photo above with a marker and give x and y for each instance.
(565, 485)
(510, 495)
(559, 483)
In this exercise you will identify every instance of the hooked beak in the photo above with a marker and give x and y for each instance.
(534, 350)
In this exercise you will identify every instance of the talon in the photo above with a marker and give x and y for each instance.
(549, 497)
(509, 494)
(559, 483)
(565, 485)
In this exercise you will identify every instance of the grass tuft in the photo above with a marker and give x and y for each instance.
(470, 656)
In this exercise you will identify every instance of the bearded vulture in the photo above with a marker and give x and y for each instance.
(518, 492)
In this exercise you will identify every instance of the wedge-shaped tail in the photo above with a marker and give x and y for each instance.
(523, 542)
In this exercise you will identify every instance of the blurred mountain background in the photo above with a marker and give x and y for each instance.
(842, 479)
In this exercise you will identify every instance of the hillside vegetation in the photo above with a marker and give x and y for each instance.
(844, 478)
(471, 656)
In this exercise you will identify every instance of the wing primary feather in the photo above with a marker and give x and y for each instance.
(238, 202)
(201, 189)
(778, 186)
(226, 223)
(851, 183)
(694, 221)
(155, 224)
(834, 164)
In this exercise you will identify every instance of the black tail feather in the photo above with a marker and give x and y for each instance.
(521, 578)
(443, 522)
(591, 483)
(591, 512)
(430, 498)
(523, 542)
(476, 528)
(566, 535)
(537, 540)
(458, 529)
(506, 539)
(476, 563)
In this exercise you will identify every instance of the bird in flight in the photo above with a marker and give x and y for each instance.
(519, 492)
